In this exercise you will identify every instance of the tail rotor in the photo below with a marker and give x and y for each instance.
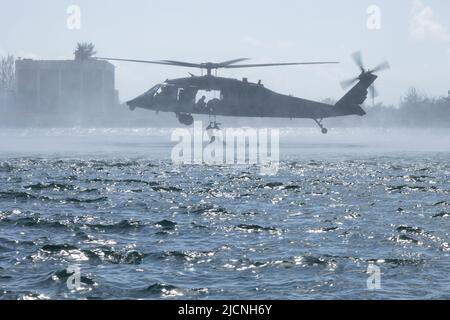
(358, 59)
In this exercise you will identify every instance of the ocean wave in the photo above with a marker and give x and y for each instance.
(166, 224)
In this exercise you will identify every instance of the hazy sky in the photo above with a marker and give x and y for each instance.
(414, 37)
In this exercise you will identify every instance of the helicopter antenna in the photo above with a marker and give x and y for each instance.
(209, 66)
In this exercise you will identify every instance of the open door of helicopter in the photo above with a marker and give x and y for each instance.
(208, 101)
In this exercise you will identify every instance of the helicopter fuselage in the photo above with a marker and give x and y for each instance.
(238, 98)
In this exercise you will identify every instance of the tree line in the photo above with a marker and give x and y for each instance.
(415, 110)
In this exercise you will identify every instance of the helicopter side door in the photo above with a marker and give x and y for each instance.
(208, 101)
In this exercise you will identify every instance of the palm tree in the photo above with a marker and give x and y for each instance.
(84, 51)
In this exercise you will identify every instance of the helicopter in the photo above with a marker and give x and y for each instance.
(241, 98)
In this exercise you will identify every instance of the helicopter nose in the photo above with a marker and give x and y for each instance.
(136, 103)
(132, 103)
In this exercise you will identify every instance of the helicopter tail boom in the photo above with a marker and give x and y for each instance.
(350, 103)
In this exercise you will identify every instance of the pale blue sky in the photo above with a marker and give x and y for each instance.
(413, 37)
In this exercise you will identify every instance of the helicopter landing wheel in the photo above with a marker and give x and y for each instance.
(319, 123)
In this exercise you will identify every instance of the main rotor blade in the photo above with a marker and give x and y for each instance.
(382, 66)
(275, 64)
(132, 60)
(347, 83)
(182, 64)
(227, 63)
(357, 57)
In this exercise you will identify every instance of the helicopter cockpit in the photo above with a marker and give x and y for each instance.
(156, 90)
(171, 93)
(158, 95)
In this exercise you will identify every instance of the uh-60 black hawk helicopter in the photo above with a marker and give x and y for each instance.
(240, 98)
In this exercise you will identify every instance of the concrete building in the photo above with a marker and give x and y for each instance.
(7, 101)
(60, 87)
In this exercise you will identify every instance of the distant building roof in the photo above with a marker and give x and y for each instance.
(63, 63)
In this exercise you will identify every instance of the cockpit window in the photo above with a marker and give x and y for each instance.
(155, 90)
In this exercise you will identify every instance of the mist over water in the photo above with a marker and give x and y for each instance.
(111, 202)
(156, 143)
